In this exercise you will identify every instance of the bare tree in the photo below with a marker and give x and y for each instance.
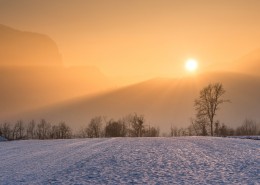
(43, 129)
(18, 130)
(115, 129)
(200, 125)
(6, 130)
(15, 132)
(217, 125)
(31, 129)
(151, 132)
(174, 131)
(94, 128)
(208, 103)
(137, 125)
(54, 132)
(249, 127)
(223, 130)
(64, 131)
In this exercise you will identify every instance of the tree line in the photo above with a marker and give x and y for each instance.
(248, 128)
(133, 125)
(204, 124)
(32, 130)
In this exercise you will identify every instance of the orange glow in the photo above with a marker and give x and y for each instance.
(130, 39)
(54, 51)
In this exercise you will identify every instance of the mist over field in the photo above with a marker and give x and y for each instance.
(129, 92)
(36, 89)
(110, 64)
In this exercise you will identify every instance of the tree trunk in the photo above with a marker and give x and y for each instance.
(211, 128)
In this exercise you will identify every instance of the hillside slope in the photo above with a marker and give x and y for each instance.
(29, 87)
(163, 102)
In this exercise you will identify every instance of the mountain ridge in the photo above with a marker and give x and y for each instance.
(27, 48)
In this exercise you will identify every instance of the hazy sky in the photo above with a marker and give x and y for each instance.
(141, 37)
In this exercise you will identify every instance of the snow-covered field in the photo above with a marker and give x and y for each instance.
(185, 160)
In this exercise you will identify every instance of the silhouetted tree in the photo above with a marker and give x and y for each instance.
(249, 127)
(54, 132)
(217, 125)
(223, 130)
(115, 129)
(61, 131)
(31, 130)
(43, 129)
(18, 130)
(208, 103)
(200, 125)
(137, 125)
(94, 128)
(64, 131)
(6, 130)
(174, 131)
(151, 132)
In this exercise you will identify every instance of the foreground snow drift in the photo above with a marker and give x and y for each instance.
(196, 160)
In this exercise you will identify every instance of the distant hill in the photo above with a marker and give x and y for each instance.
(27, 48)
(32, 74)
(164, 102)
(24, 88)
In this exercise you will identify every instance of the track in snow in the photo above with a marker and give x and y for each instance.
(186, 160)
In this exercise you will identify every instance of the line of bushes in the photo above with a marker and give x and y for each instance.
(132, 125)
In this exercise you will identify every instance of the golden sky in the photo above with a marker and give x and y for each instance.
(141, 37)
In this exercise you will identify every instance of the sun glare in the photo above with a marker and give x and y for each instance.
(191, 65)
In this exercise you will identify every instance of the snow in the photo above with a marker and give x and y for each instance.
(184, 160)
(2, 139)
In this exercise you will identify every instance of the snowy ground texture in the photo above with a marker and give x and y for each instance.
(185, 160)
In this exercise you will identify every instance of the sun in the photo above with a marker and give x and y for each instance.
(191, 65)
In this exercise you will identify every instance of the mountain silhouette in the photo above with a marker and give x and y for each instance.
(27, 48)
(32, 73)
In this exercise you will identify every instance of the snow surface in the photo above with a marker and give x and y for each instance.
(185, 160)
